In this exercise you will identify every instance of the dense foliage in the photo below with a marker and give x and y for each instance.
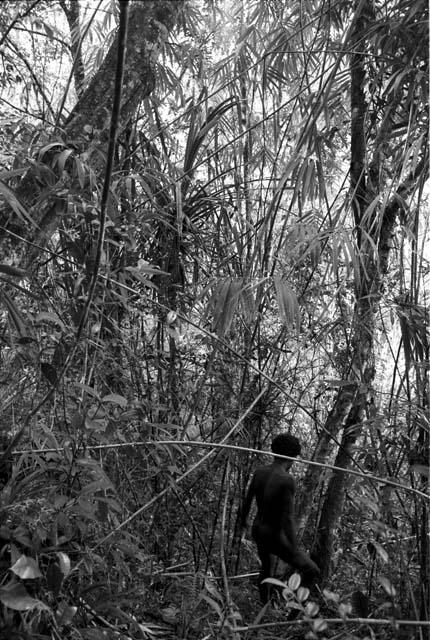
(213, 228)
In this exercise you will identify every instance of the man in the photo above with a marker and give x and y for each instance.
(274, 529)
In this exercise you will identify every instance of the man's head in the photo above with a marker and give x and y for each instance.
(286, 445)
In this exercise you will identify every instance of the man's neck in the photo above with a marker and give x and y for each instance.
(285, 465)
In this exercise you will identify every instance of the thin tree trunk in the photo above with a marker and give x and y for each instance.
(369, 290)
(314, 477)
(335, 497)
(72, 15)
(346, 399)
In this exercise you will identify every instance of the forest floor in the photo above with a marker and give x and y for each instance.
(203, 618)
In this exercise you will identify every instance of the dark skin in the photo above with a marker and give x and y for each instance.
(274, 530)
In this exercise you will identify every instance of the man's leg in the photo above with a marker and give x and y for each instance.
(306, 567)
(300, 561)
(263, 539)
(263, 588)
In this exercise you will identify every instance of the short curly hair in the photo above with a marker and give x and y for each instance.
(286, 445)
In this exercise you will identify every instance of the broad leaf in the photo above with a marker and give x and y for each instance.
(26, 568)
(15, 596)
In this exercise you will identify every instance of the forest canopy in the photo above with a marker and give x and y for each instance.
(214, 229)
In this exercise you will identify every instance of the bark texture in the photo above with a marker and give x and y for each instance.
(43, 199)
(149, 26)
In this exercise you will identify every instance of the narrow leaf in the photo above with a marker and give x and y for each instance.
(386, 584)
(64, 562)
(287, 303)
(115, 398)
(276, 582)
(15, 204)
(10, 270)
(14, 314)
(62, 159)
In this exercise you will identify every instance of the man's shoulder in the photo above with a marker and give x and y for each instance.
(263, 470)
(280, 477)
(269, 470)
(289, 479)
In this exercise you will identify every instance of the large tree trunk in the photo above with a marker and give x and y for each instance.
(149, 26)
(66, 203)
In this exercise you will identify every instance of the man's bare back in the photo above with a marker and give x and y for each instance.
(274, 528)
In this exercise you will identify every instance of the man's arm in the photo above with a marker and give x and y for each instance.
(290, 531)
(246, 506)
